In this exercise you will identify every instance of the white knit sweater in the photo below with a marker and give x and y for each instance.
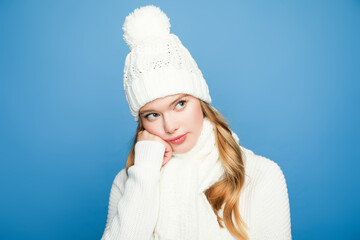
(169, 203)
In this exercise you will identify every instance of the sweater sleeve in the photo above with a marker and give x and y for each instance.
(134, 199)
(272, 215)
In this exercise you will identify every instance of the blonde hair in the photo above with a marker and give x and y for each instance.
(226, 191)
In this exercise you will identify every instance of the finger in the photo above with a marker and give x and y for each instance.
(167, 156)
(166, 160)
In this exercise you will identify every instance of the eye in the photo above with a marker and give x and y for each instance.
(148, 116)
(181, 103)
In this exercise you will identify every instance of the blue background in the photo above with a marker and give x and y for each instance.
(285, 74)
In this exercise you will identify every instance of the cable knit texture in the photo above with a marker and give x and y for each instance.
(170, 204)
(158, 64)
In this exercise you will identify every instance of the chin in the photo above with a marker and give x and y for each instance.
(182, 149)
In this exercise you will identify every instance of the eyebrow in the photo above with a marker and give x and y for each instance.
(151, 110)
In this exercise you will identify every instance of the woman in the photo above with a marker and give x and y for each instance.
(186, 177)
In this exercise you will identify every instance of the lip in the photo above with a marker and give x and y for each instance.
(178, 139)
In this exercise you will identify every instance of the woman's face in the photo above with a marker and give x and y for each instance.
(174, 116)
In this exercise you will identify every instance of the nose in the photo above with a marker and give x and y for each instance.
(170, 124)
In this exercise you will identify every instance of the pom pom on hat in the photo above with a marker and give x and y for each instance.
(145, 22)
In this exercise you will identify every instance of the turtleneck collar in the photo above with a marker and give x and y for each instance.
(200, 149)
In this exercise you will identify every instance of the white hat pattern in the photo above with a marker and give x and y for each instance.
(158, 65)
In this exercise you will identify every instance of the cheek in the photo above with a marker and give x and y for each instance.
(199, 122)
(199, 115)
(196, 116)
(153, 128)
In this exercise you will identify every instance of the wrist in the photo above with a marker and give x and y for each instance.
(150, 153)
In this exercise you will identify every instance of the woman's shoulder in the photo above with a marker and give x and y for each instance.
(260, 169)
(266, 188)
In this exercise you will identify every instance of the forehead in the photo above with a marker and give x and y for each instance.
(163, 102)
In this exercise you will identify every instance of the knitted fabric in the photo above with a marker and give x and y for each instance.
(182, 182)
(169, 202)
(158, 64)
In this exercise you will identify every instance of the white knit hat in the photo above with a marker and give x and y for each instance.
(158, 65)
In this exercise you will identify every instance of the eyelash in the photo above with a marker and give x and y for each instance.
(185, 101)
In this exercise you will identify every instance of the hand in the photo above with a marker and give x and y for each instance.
(145, 135)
